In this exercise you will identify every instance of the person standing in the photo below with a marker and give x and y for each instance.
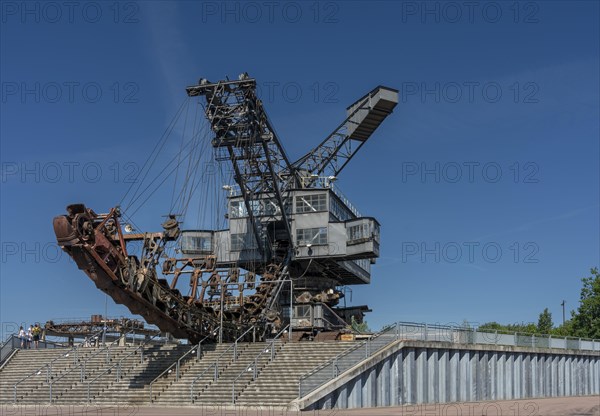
(29, 336)
(22, 337)
(36, 332)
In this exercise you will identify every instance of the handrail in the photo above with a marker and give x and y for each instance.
(7, 359)
(215, 363)
(118, 364)
(10, 340)
(347, 351)
(196, 348)
(270, 348)
(82, 366)
(423, 328)
(341, 323)
(14, 339)
(48, 366)
(333, 362)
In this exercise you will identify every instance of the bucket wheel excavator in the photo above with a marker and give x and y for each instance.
(293, 240)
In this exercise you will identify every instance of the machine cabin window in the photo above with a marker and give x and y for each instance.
(312, 236)
(311, 203)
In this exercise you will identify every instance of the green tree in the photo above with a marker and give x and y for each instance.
(564, 330)
(491, 326)
(545, 324)
(586, 321)
(361, 328)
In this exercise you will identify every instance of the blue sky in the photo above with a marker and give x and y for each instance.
(485, 178)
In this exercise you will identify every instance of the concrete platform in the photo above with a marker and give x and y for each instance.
(563, 406)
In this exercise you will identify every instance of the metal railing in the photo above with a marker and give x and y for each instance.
(7, 358)
(344, 200)
(463, 335)
(331, 318)
(433, 333)
(347, 359)
(83, 365)
(13, 342)
(197, 349)
(119, 364)
(270, 348)
(48, 367)
(215, 364)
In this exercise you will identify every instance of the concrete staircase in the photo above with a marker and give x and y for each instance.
(32, 366)
(277, 384)
(26, 362)
(132, 386)
(68, 367)
(220, 391)
(69, 388)
(168, 392)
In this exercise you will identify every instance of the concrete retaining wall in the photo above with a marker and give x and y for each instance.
(416, 372)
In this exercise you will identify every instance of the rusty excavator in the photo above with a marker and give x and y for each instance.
(292, 241)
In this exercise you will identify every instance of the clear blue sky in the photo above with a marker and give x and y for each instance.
(493, 149)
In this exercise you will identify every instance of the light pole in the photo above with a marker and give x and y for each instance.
(563, 306)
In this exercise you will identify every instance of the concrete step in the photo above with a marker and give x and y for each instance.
(276, 383)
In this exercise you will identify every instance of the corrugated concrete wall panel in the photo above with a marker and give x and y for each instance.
(442, 374)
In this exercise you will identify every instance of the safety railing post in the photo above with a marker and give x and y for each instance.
(177, 371)
(333, 368)
(270, 348)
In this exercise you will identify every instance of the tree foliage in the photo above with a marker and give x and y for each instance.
(584, 323)
(545, 324)
(361, 328)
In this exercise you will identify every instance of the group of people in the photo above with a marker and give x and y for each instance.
(31, 336)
